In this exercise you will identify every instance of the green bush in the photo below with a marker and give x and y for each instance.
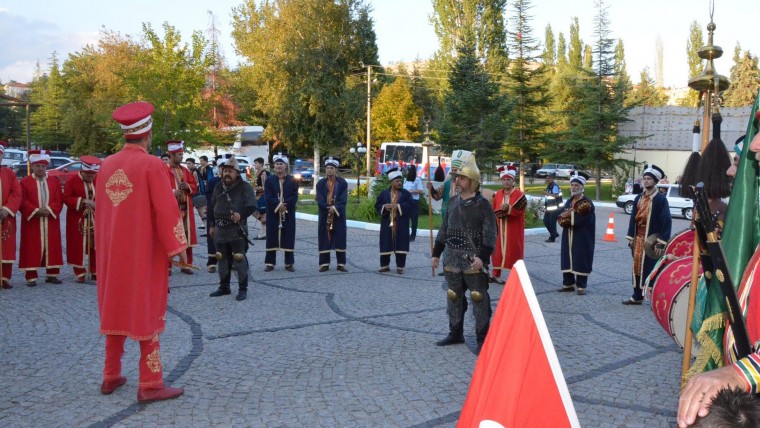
(365, 211)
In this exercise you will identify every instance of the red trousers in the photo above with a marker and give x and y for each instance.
(151, 371)
(31, 275)
(7, 271)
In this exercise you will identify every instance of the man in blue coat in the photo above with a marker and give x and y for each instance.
(281, 193)
(578, 220)
(650, 216)
(393, 205)
(332, 196)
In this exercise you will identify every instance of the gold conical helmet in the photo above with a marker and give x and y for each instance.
(469, 170)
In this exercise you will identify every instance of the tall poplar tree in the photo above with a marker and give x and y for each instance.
(696, 66)
(549, 56)
(575, 50)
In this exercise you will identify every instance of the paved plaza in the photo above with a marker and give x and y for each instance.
(309, 349)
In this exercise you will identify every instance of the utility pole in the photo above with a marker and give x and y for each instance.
(369, 117)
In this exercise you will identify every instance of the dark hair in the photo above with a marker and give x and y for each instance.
(259, 160)
(190, 160)
(411, 174)
(732, 408)
(204, 158)
(165, 155)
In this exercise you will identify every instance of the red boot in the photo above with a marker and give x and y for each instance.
(109, 386)
(148, 395)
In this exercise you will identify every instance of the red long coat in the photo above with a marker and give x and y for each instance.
(75, 192)
(510, 232)
(188, 216)
(138, 226)
(40, 234)
(11, 202)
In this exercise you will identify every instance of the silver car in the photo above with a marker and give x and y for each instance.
(679, 206)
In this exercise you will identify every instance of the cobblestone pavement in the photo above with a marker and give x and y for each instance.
(330, 349)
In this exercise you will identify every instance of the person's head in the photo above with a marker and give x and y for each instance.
(190, 164)
(165, 158)
(651, 176)
(280, 164)
(577, 184)
(468, 177)
(550, 177)
(204, 160)
(136, 122)
(230, 171)
(39, 159)
(396, 178)
(507, 175)
(411, 174)
(90, 167)
(731, 408)
(258, 163)
(331, 166)
(176, 150)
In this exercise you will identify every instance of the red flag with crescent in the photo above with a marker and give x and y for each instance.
(518, 381)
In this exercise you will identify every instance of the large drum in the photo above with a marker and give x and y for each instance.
(681, 244)
(670, 298)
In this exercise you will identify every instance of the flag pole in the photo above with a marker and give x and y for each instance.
(708, 83)
(429, 144)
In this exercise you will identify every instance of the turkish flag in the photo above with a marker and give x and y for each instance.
(517, 380)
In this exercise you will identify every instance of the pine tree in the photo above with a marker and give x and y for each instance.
(47, 120)
(745, 82)
(528, 90)
(647, 93)
(592, 140)
(473, 110)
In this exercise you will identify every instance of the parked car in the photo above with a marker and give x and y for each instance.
(679, 206)
(55, 161)
(65, 171)
(304, 176)
(546, 170)
(14, 156)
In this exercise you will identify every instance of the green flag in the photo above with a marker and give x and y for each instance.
(741, 235)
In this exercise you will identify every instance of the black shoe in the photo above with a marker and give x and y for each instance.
(442, 274)
(268, 268)
(550, 240)
(450, 340)
(342, 268)
(241, 295)
(633, 302)
(494, 280)
(566, 288)
(289, 268)
(53, 280)
(384, 269)
(259, 238)
(324, 268)
(411, 239)
(203, 235)
(201, 227)
(220, 292)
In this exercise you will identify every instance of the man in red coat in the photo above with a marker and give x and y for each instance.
(41, 205)
(183, 184)
(137, 230)
(79, 197)
(10, 202)
(509, 204)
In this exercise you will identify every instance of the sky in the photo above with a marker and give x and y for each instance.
(31, 30)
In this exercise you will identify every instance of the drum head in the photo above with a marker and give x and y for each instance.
(681, 244)
(670, 298)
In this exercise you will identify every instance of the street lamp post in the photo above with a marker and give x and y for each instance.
(358, 151)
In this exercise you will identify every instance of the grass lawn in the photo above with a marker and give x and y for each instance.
(311, 208)
(537, 189)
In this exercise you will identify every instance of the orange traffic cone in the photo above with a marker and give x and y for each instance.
(610, 235)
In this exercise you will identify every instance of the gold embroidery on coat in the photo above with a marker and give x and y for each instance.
(154, 361)
(118, 187)
(179, 233)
